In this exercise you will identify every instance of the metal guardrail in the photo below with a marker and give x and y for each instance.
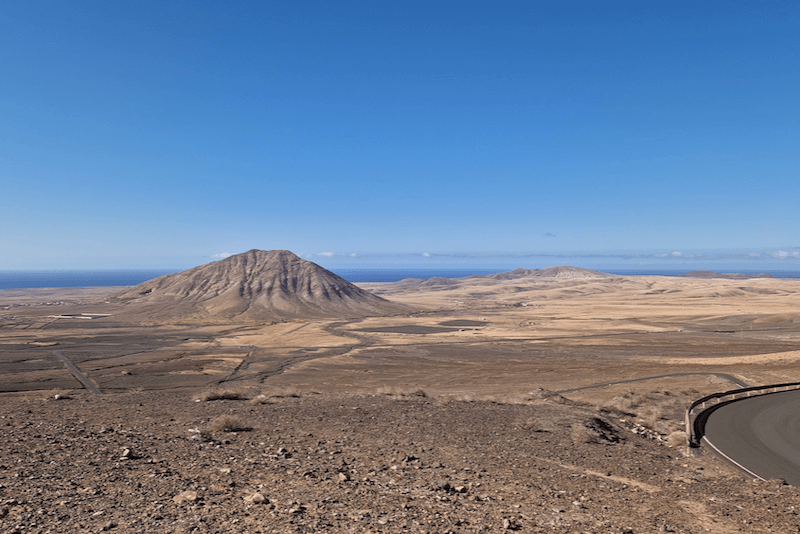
(696, 418)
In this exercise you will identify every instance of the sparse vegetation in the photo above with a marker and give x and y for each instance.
(226, 423)
(395, 391)
(594, 430)
(58, 394)
(222, 393)
(677, 439)
(270, 395)
(660, 410)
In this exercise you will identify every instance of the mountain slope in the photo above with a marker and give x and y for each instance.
(257, 285)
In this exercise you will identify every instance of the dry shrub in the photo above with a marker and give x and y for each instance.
(58, 394)
(531, 425)
(626, 402)
(545, 395)
(226, 423)
(594, 430)
(659, 410)
(270, 395)
(222, 393)
(395, 391)
(677, 439)
(580, 434)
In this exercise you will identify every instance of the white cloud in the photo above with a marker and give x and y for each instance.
(426, 255)
(660, 255)
(327, 254)
(353, 255)
(677, 254)
(222, 255)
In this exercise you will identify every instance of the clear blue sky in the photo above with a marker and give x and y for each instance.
(149, 134)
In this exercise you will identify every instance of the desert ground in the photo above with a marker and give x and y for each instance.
(533, 403)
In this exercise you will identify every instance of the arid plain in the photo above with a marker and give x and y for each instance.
(543, 401)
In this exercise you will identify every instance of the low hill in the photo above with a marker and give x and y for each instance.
(729, 276)
(560, 272)
(255, 285)
(556, 274)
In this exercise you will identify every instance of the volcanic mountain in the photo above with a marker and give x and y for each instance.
(255, 285)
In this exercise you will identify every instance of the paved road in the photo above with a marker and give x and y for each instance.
(760, 434)
(724, 376)
(80, 377)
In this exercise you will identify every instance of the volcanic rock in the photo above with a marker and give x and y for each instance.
(255, 285)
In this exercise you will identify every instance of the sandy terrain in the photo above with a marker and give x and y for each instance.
(443, 417)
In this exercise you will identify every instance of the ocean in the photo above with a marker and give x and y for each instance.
(108, 278)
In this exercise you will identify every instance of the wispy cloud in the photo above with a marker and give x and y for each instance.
(783, 255)
(667, 256)
(338, 255)
(548, 234)
(221, 255)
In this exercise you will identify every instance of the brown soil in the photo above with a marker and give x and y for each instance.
(442, 419)
(143, 462)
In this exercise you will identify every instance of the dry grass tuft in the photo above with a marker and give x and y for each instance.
(660, 410)
(270, 395)
(222, 393)
(395, 391)
(532, 425)
(677, 439)
(594, 430)
(580, 435)
(58, 394)
(226, 423)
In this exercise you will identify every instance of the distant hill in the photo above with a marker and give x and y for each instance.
(555, 274)
(560, 272)
(729, 276)
(255, 285)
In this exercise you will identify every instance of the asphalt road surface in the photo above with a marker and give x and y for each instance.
(79, 376)
(760, 434)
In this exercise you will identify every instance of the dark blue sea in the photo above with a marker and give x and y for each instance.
(107, 278)
(104, 278)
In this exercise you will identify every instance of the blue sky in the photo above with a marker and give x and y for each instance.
(161, 134)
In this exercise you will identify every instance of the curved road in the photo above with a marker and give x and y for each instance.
(760, 434)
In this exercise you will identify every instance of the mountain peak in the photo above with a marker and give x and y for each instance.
(256, 285)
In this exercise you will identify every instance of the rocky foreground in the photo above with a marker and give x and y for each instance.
(165, 462)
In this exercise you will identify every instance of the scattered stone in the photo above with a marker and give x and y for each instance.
(256, 498)
(443, 485)
(297, 509)
(185, 496)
